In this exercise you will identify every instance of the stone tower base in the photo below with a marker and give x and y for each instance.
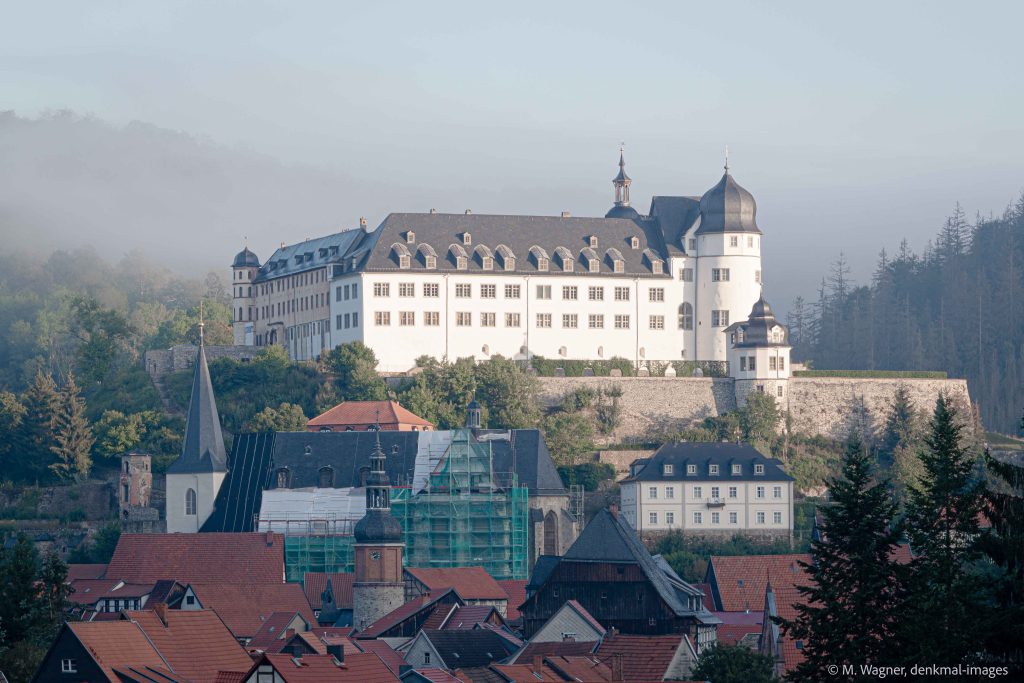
(371, 601)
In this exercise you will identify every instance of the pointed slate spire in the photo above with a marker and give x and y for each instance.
(203, 447)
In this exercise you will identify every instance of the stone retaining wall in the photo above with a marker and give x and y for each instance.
(160, 362)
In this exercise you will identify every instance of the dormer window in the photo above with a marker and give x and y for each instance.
(430, 262)
(634, 242)
(410, 237)
(593, 241)
(758, 469)
(666, 469)
(691, 469)
(543, 264)
(467, 238)
(404, 261)
(510, 263)
(462, 263)
(712, 469)
(487, 262)
(656, 267)
(594, 265)
(619, 266)
(283, 478)
(737, 469)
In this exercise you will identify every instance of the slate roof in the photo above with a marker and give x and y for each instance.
(368, 413)
(314, 253)
(728, 207)
(644, 658)
(314, 584)
(519, 234)
(756, 327)
(432, 674)
(738, 581)
(195, 643)
(471, 583)
(199, 558)
(705, 454)
(469, 648)
(675, 215)
(202, 449)
(254, 457)
(516, 591)
(244, 607)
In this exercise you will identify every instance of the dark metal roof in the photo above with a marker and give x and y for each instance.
(461, 648)
(313, 253)
(245, 258)
(622, 211)
(203, 446)
(675, 215)
(378, 526)
(727, 207)
(704, 454)
(755, 331)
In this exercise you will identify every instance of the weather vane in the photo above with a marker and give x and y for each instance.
(727, 158)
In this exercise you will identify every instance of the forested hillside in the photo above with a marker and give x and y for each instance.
(958, 307)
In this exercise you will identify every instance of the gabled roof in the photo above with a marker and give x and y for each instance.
(393, 660)
(644, 658)
(432, 674)
(418, 610)
(357, 668)
(77, 572)
(516, 591)
(199, 558)
(273, 629)
(703, 455)
(579, 609)
(117, 644)
(579, 668)
(88, 591)
(314, 584)
(472, 583)
(195, 643)
(244, 607)
(202, 449)
(368, 413)
(468, 616)
(739, 581)
(556, 648)
(468, 648)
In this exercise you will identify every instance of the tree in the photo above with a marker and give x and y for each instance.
(103, 335)
(509, 392)
(12, 413)
(355, 367)
(901, 423)
(101, 548)
(733, 664)
(569, 436)
(34, 437)
(759, 419)
(940, 624)
(287, 417)
(852, 601)
(73, 437)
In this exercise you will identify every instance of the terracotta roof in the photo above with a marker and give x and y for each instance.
(525, 672)
(147, 674)
(314, 584)
(740, 580)
(368, 413)
(88, 591)
(248, 558)
(244, 607)
(557, 648)
(439, 616)
(85, 571)
(472, 583)
(732, 634)
(644, 658)
(311, 641)
(392, 659)
(357, 668)
(579, 668)
(271, 630)
(397, 616)
(230, 677)
(333, 631)
(436, 675)
(117, 644)
(195, 643)
(516, 591)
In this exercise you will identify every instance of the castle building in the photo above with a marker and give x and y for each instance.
(759, 354)
(660, 287)
(194, 479)
(379, 586)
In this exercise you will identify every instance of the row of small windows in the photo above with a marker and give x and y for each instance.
(464, 290)
(716, 492)
(595, 321)
(668, 469)
(716, 518)
(325, 478)
(774, 363)
(486, 259)
(292, 281)
(302, 303)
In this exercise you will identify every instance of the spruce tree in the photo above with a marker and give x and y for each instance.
(72, 435)
(901, 422)
(940, 619)
(35, 434)
(850, 606)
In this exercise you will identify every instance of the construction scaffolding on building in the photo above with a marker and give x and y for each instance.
(459, 512)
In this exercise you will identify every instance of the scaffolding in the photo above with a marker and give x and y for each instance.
(465, 515)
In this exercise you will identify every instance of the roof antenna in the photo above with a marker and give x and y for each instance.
(201, 323)
(727, 158)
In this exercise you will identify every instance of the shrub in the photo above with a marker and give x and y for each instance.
(874, 374)
(589, 475)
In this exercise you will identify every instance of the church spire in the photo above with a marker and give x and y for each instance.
(203, 447)
(622, 181)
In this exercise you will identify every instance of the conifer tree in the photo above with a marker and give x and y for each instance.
(35, 434)
(72, 434)
(940, 619)
(850, 606)
(900, 423)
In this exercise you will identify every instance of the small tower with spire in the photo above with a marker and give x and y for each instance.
(759, 355)
(621, 182)
(194, 479)
(378, 587)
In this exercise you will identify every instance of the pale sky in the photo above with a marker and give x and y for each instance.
(853, 124)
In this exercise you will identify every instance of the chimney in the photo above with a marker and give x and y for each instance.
(161, 612)
(270, 538)
(433, 211)
(538, 662)
(469, 212)
(568, 638)
(566, 214)
(614, 509)
(337, 651)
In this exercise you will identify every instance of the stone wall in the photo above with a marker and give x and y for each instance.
(160, 362)
(621, 460)
(819, 405)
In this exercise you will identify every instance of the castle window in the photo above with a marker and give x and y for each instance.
(619, 266)
(404, 261)
(743, 363)
(719, 318)
(410, 237)
(593, 241)
(778, 390)
(734, 241)
(461, 263)
(693, 244)
(634, 242)
(594, 265)
(190, 502)
(430, 262)
(719, 274)
(750, 242)
(326, 479)
(543, 264)
(686, 316)
(488, 263)
(656, 294)
(656, 267)
(691, 469)
(283, 478)
(467, 238)
(758, 469)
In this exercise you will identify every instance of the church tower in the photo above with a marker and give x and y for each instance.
(378, 587)
(195, 477)
(244, 269)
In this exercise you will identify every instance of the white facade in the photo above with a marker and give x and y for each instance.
(748, 506)
(190, 498)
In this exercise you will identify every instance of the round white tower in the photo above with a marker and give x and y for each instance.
(728, 264)
(243, 271)
(759, 355)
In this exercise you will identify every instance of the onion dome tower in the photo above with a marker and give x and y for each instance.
(378, 587)
(621, 182)
(244, 269)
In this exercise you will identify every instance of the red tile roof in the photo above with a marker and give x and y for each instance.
(396, 616)
(88, 591)
(314, 584)
(199, 558)
(644, 658)
(393, 660)
(901, 554)
(368, 413)
(471, 583)
(229, 677)
(732, 634)
(438, 675)
(579, 668)
(85, 571)
(557, 648)
(357, 668)
(516, 591)
(195, 643)
(525, 672)
(117, 644)
(741, 579)
(272, 630)
(244, 607)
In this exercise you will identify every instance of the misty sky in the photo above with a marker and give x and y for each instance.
(854, 124)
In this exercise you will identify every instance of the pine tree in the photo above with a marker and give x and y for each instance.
(940, 624)
(850, 606)
(72, 435)
(901, 422)
(35, 434)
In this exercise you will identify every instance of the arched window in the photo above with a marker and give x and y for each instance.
(283, 478)
(686, 316)
(190, 502)
(326, 477)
